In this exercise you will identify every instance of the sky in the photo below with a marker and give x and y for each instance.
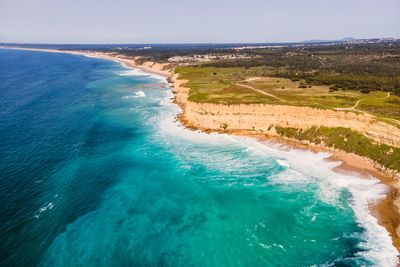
(195, 21)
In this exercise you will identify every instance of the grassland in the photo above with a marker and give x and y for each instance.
(218, 85)
(255, 85)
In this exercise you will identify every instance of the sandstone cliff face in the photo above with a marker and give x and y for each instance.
(263, 118)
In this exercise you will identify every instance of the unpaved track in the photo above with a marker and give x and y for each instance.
(261, 91)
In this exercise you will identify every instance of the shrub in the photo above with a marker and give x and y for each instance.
(224, 126)
(333, 89)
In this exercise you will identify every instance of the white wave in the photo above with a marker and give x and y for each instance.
(282, 163)
(48, 206)
(132, 72)
(136, 95)
(128, 96)
(302, 168)
(310, 167)
(140, 94)
(170, 126)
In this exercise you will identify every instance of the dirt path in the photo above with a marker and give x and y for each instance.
(356, 104)
(261, 91)
(354, 108)
(388, 95)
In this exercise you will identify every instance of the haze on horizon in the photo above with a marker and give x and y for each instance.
(206, 21)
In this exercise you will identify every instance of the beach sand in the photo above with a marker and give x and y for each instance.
(387, 210)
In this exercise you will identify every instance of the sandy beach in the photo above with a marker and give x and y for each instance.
(387, 211)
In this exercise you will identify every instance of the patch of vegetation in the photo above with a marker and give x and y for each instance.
(224, 126)
(347, 140)
(364, 67)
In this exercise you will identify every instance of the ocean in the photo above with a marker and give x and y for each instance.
(96, 171)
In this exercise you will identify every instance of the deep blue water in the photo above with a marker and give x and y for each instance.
(95, 171)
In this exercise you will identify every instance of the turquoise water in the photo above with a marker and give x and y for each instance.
(95, 171)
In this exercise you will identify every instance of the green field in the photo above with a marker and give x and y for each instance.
(217, 85)
(255, 85)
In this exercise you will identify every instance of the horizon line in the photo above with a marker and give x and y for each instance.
(207, 43)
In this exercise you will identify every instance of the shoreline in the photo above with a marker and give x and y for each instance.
(153, 68)
(387, 210)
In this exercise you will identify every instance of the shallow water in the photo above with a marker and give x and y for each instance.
(96, 172)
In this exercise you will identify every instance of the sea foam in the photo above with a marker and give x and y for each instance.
(130, 71)
(304, 167)
(136, 95)
(309, 167)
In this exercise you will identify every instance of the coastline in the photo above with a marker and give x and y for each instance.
(387, 210)
(152, 67)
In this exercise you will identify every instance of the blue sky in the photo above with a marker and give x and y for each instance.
(190, 21)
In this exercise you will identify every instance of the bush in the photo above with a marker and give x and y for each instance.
(224, 126)
(333, 89)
